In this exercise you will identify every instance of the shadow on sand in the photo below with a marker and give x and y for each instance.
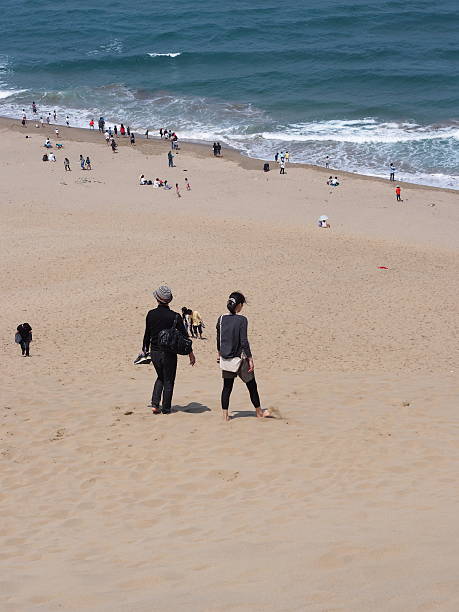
(192, 408)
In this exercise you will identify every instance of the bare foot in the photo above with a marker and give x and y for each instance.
(155, 410)
(226, 416)
(263, 413)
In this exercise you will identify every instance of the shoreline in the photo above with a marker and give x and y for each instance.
(231, 153)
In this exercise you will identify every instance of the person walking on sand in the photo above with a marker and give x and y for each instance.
(82, 162)
(327, 161)
(187, 184)
(54, 116)
(234, 354)
(132, 138)
(287, 157)
(282, 167)
(165, 363)
(170, 157)
(146, 134)
(91, 124)
(276, 157)
(398, 194)
(66, 164)
(24, 338)
(196, 322)
(392, 172)
(88, 164)
(177, 190)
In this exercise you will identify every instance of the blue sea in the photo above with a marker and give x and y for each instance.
(365, 82)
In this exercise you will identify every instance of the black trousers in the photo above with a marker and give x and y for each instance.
(166, 369)
(25, 344)
(228, 387)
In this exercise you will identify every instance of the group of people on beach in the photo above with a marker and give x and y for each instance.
(161, 344)
(160, 183)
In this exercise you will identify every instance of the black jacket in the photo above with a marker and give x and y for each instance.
(158, 319)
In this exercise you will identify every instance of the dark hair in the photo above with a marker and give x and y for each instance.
(184, 310)
(234, 299)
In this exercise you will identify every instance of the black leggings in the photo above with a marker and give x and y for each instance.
(228, 387)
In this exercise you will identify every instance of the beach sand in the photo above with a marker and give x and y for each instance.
(345, 502)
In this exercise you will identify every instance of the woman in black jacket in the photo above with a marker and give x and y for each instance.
(25, 331)
(233, 345)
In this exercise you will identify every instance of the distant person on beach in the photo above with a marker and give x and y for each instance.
(327, 161)
(146, 134)
(115, 130)
(24, 338)
(398, 194)
(187, 184)
(323, 222)
(282, 156)
(128, 130)
(219, 149)
(197, 323)
(24, 120)
(282, 167)
(392, 170)
(91, 124)
(234, 354)
(165, 363)
(88, 164)
(276, 157)
(56, 131)
(34, 108)
(42, 122)
(82, 162)
(66, 164)
(215, 149)
(51, 157)
(101, 124)
(287, 157)
(48, 118)
(122, 130)
(54, 116)
(161, 133)
(170, 157)
(186, 318)
(48, 144)
(107, 137)
(67, 121)
(132, 139)
(177, 190)
(113, 145)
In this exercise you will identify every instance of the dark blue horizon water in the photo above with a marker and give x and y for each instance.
(363, 82)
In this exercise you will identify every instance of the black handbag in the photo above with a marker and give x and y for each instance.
(172, 341)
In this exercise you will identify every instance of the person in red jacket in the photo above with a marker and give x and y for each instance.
(398, 194)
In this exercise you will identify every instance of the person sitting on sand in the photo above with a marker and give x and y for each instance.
(234, 354)
(143, 180)
(51, 157)
(333, 182)
(323, 222)
(165, 363)
(48, 144)
(166, 185)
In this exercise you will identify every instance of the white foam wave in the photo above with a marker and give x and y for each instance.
(164, 54)
(7, 93)
(364, 131)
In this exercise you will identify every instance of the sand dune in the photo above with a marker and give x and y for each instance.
(346, 501)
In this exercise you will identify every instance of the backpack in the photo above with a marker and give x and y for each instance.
(17, 338)
(172, 341)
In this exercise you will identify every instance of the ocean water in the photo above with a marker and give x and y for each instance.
(365, 82)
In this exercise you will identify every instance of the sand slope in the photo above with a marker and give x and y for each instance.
(345, 502)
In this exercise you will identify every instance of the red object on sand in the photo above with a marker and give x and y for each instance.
(382, 268)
